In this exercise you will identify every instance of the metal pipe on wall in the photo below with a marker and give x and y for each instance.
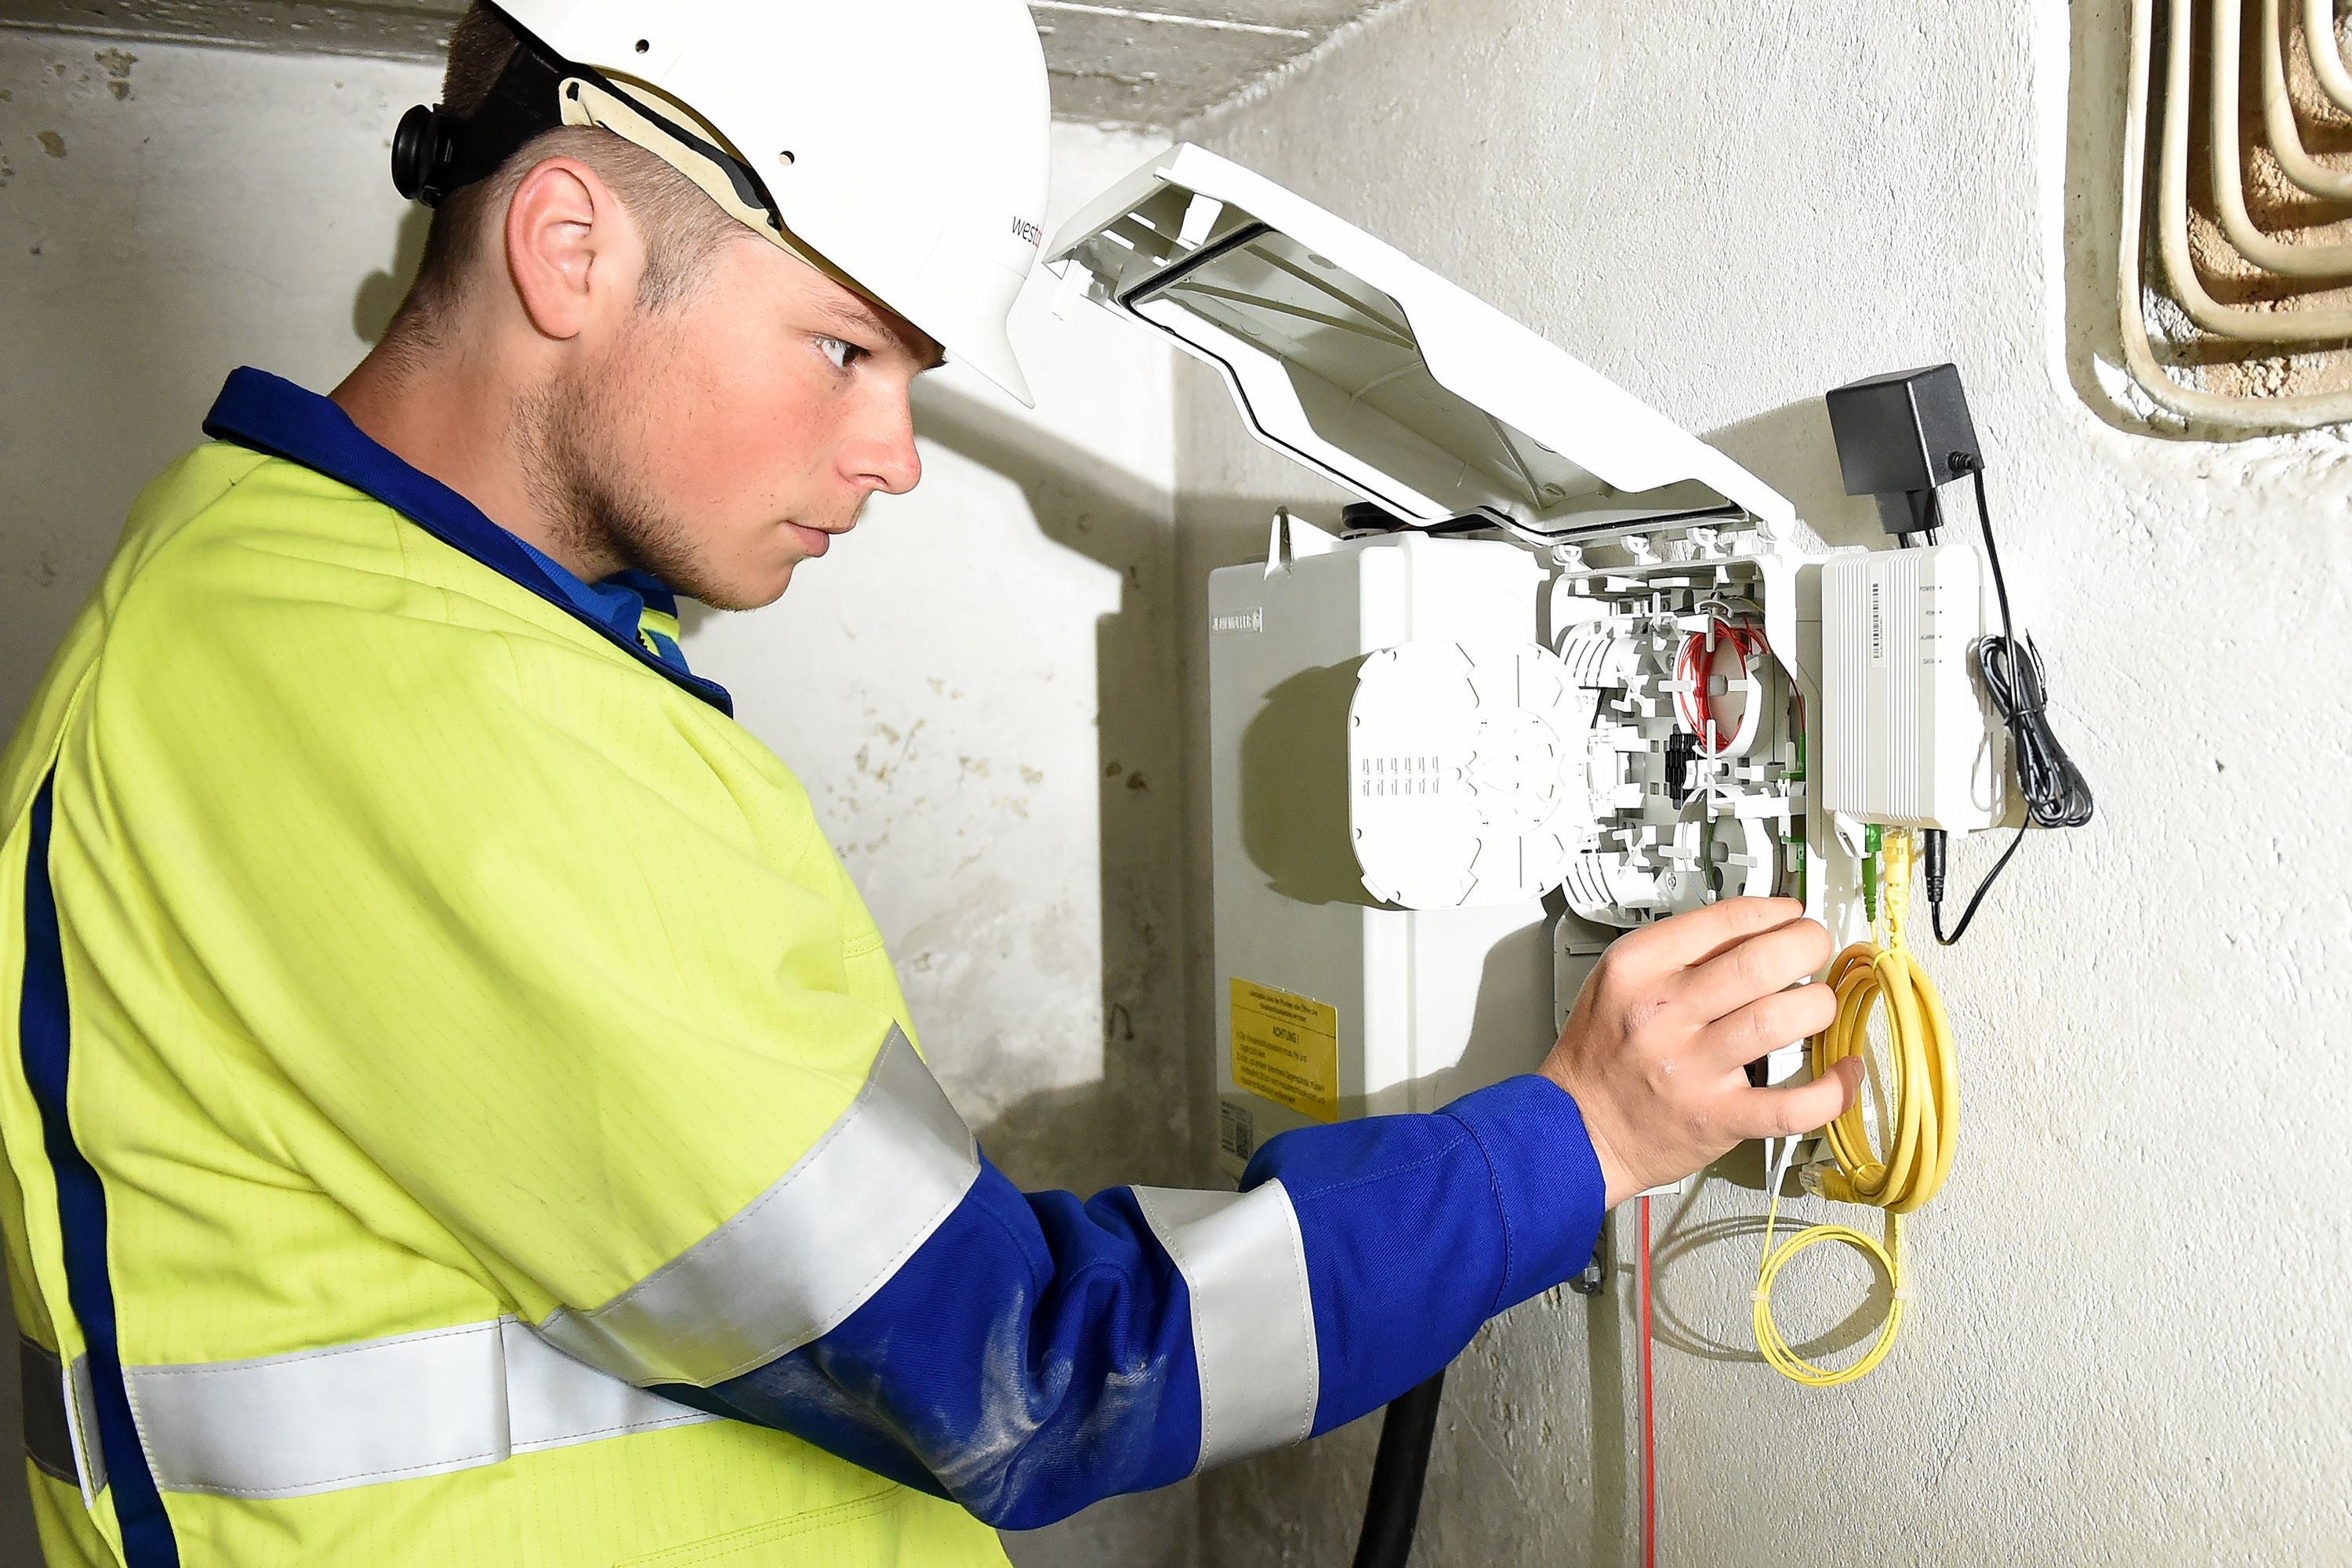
(2263, 250)
(2326, 53)
(2327, 326)
(2301, 412)
(2278, 118)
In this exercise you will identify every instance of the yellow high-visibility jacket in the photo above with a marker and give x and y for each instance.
(430, 969)
(457, 1112)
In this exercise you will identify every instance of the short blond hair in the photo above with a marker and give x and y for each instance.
(683, 227)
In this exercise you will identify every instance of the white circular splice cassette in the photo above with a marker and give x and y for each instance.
(1467, 773)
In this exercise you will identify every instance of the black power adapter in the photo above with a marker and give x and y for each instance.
(1900, 437)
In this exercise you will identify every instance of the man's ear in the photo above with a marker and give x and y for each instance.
(567, 242)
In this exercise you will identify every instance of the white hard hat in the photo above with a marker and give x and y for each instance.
(899, 144)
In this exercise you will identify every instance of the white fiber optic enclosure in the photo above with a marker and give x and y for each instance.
(1329, 1002)
(1448, 767)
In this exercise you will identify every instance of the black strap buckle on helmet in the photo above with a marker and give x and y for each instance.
(435, 153)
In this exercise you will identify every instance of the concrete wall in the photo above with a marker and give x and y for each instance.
(2123, 1346)
(2122, 1349)
(975, 687)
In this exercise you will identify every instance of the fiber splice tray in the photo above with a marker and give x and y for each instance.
(1449, 767)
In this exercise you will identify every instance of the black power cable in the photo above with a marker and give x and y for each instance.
(2055, 791)
(1392, 1507)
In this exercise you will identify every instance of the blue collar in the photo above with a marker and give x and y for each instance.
(259, 410)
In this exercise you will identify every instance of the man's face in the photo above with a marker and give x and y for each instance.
(724, 438)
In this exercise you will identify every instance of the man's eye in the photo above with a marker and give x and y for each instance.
(842, 355)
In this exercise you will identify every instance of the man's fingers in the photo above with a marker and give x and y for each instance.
(1683, 940)
(1798, 1108)
(1758, 966)
(1764, 1025)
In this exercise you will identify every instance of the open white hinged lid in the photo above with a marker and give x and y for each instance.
(1351, 358)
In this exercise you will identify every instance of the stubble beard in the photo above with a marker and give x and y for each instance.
(574, 429)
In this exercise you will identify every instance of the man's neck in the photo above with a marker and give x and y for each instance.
(455, 418)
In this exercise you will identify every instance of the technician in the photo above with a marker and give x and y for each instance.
(458, 1112)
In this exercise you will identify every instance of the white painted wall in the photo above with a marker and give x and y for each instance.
(937, 681)
(2123, 1347)
(2126, 1344)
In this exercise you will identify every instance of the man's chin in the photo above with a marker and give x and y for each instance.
(733, 584)
(752, 594)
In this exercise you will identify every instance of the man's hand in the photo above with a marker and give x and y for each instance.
(1655, 1050)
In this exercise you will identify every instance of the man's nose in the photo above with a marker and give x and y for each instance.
(883, 456)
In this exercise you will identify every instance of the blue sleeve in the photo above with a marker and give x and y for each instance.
(1038, 1353)
(1420, 1228)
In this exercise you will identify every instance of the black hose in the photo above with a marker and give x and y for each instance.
(1392, 1509)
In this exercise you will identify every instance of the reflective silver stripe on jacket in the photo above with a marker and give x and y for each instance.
(1245, 1264)
(380, 1410)
(801, 1255)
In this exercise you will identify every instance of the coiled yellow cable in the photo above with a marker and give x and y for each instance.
(1925, 1113)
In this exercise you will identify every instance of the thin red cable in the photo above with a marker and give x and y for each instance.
(1649, 1411)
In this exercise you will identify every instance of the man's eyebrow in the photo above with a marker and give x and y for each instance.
(856, 314)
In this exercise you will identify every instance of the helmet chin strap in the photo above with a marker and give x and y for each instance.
(589, 98)
(640, 119)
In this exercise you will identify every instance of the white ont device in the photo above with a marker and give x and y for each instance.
(1912, 741)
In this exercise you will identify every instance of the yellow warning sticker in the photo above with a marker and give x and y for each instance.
(1286, 1048)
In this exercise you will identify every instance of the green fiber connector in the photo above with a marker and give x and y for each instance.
(1871, 839)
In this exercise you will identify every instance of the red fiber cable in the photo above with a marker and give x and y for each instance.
(1649, 1411)
(1696, 665)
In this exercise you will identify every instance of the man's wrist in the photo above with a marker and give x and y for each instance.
(1617, 1179)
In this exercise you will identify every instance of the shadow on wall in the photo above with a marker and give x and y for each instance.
(1678, 1246)
(1215, 530)
(1134, 1124)
(380, 294)
(1294, 768)
(1793, 451)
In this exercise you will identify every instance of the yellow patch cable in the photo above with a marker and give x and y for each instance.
(1926, 1111)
